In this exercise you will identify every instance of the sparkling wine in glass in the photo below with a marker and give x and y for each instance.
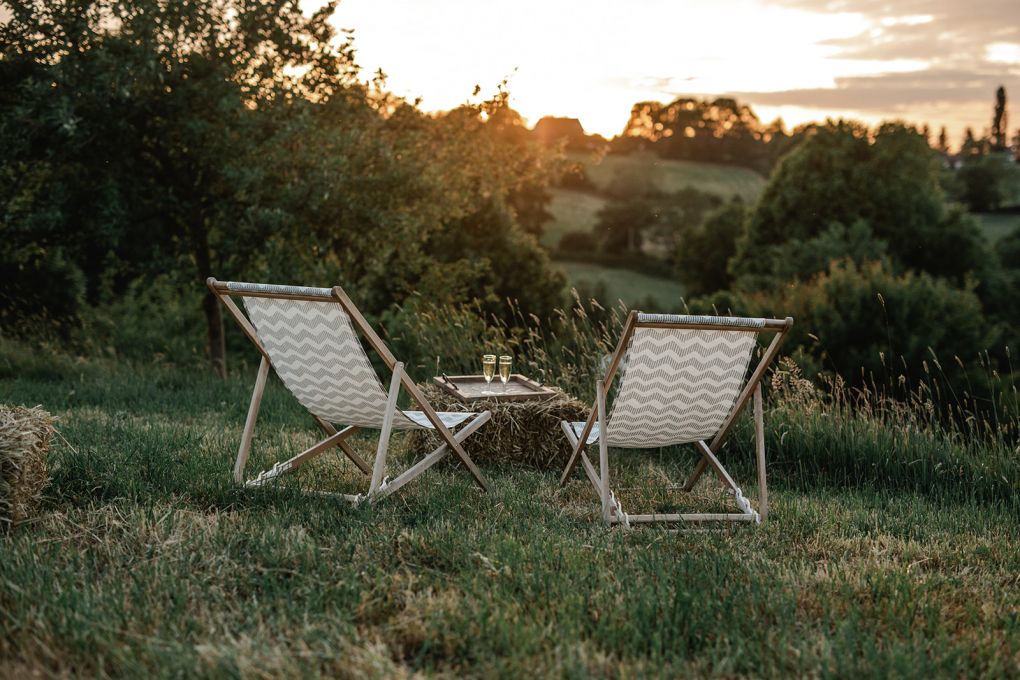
(504, 369)
(488, 369)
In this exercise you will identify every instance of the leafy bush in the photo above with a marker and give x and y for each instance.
(652, 219)
(578, 242)
(842, 174)
(41, 292)
(983, 182)
(865, 323)
(486, 257)
(703, 252)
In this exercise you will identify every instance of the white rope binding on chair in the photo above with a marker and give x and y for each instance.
(615, 509)
(745, 505)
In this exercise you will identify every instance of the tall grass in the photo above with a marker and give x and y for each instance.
(148, 561)
(902, 434)
(892, 546)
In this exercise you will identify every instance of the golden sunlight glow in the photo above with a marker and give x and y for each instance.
(593, 60)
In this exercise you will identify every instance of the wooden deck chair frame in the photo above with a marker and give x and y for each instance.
(612, 512)
(380, 485)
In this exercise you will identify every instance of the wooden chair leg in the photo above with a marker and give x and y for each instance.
(428, 461)
(346, 448)
(603, 450)
(291, 464)
(759, 441)
(384, 435)
(249, 423)
(589, 470)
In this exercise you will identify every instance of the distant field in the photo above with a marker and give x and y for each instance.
(722, 180)
(997, 225)
(623, 284)
(578, 211)
(572, 211)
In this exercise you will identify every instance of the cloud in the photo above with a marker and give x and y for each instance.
(897, 91)
(938, 31)
(968, 49)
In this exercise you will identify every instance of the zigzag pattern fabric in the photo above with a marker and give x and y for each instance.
(679, 387)
(317, 354)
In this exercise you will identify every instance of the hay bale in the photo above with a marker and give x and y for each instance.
(24, 440)
(521, 432)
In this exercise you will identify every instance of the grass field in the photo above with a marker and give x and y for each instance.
(633, 288)
(578, 211)
(671, 175)
(889, 553)
(571, 211)
(998, 225)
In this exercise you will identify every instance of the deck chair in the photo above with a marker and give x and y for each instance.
(309, 335)
(683, 382)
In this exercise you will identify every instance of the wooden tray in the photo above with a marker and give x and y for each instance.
(470, 388)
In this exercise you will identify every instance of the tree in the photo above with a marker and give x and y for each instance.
(621, 223)
(721, 130)
(971, 146)
(530, 197)
(979, 182)
(551, 130)
(842, 174)
(1000, 121)
(943, 146)
(234, 138)
(702, 253)
(151, 119)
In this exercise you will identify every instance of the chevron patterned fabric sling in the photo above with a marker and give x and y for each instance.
(682, 380)
(679, 386)
(317, 354)
(312, 338)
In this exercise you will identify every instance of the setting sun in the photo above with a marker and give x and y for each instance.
(799, 60)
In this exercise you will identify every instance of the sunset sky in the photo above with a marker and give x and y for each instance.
(936, 61)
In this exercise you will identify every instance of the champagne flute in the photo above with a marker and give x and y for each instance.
(504, 369)
(488, 370)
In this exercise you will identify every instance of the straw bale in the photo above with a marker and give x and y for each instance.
(520, 432)
(24, 440)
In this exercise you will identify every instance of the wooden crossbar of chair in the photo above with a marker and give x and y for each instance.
(380, 486)
(751, 392)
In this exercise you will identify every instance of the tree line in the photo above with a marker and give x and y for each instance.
(148, 145)
(148, 142)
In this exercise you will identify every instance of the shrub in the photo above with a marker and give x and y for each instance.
(843, 174)
(982, 182)
(865, 323)
(41, 293)
(703, 252)
(578, 242)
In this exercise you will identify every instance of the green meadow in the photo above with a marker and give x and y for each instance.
(998, 225)
(672, 175)
(571, 211)
(632, 288)
(891, 551)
